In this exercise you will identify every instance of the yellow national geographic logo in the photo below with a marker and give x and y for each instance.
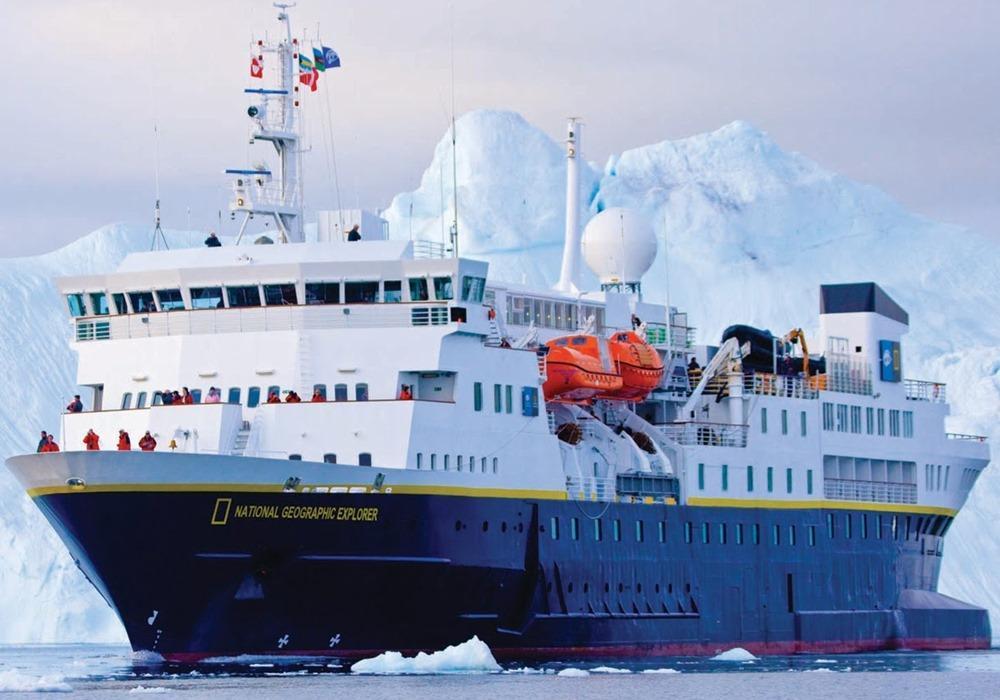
(220, 516)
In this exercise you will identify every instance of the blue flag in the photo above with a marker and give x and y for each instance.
(330, 58)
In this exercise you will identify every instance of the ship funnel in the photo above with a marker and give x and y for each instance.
(569, 276)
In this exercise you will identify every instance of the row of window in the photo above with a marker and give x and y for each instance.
(242, 296)
(932, 477)
(895, 527)
(803, 422)
(503, 399)
(751, 485)
(255, 395)
(544, 313)
(460, 463)
(844, 418)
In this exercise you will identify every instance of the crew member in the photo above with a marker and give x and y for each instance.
(694, 372)
(405, 394)
(76, 405)
(292, 397)
(50, 445)
(147, 443)
(186, 397)
(124, 441)
(317, 396)
(92, 440)
(354, 234)
(213, 241)
(43, 442)
(273, 397)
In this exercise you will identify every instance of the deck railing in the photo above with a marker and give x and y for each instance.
(963, 436)
(590, 488)
(764, 384)
(874, 491)
(919, 390)
(705, 433)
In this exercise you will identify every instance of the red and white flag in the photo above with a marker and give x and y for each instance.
(256, 67)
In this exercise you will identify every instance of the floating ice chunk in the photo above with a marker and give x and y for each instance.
(13, 681)
(573, 673)
(609, 669)
(660, 670)
(735, 654)
(818, 670)
(825, 661)
(525, 670)
(144, 657)
(473, 656)
(149, 689)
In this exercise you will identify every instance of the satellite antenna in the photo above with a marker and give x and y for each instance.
(454, 154)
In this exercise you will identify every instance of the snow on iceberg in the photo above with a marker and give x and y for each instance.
(472, 656)
(660, 670)
(14, 681)
(573, 673)
(609, 670)
(735, 654)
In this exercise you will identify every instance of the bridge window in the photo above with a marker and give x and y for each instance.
(280, 295)
(242, 297)
(99, 303)
(509, 398)
(433, 461)
(331, 458)
(443, 289)
(361, 392)
(477, 396)
(447, 462)
(142, 302)
(234, 395)
(206, 298)
(322, 292)
(893, 423)
(881, 421)
(869, 420)
(170, 299)
(418, 289)
(340, 392)
(295, 457)
(365, 459)
(140, 400)
(827, 416)
(360, 292)
(458, 463)
(497, 399)
(473, 288)
(127, 400)
(841, 418)
(803, 423)
(76, 305)
(482, 464)
(253, 397)
(855, 419)
(495, 463)
(907, 424)
(120, 305)
(392, 291)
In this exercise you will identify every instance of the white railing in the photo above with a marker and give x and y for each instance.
(704, 433)
(764, 384)
(963, 436)
(590, 488)
(875, 491)
(266, 318)
(846, 376)
(429, 249)
(918, 390)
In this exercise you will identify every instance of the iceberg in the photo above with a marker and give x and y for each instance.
(734, 654)
(473, 656)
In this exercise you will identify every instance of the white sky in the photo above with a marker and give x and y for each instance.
(903, 95)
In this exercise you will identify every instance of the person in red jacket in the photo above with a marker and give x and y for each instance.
(293, 397)
(124, 441)
(92, 440)
(147, 443)
(50, 445)
(405, 394)
(317, 396)
(186, 397)
(273, 397)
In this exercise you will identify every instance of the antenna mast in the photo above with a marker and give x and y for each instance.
(454, 153)
(158, 235)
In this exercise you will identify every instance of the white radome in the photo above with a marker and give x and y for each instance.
(619, 246)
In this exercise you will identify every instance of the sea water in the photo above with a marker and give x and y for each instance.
(469, 670)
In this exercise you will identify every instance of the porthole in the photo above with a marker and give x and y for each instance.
(621, 587)
(569, 588)
(638, 588)
(503, 526)
(486, 525)
(458, 525)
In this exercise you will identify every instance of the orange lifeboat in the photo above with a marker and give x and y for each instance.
(579, 369)
(639, 365)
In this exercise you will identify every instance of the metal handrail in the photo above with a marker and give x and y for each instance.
(706, 433)
(963, 436)
(590, 488)
(875, 491)
(766, 384)
(920, 390)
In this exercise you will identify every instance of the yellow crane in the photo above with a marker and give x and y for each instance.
(797, 336)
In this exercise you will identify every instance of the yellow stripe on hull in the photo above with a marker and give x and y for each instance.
(777, 504)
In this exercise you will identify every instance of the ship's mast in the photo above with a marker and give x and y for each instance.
(258, 191)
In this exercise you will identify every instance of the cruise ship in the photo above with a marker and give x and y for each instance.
(561, 472)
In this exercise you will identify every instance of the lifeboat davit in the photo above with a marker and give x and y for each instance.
(582, 368)
(579, 369)
(639, 364)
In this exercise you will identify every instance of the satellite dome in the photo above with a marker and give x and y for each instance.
(619, 245)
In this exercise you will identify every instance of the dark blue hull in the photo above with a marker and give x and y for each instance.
(195, 574)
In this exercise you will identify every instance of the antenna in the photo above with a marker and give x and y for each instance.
(454, 153)
(157, 229)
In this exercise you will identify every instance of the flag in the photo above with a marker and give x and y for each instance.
(330, 58)
(306, 71)
(256, 67)
(320, 60)
(315, 81)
